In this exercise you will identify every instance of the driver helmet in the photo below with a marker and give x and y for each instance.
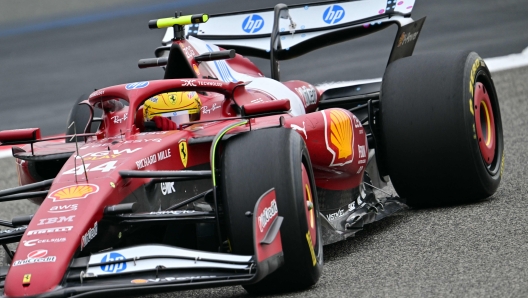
(180, 107)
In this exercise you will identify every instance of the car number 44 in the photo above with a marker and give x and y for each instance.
(105, 167)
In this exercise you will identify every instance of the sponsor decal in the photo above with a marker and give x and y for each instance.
(118, 120)
(301, 129)
(115, 267)
(208, 83)
(26, 280)
(167, 188)
(63, 208)
(333, 14)
(90, 234)
(339, 137)
(336, 215)
(188, 83)
(360, 201)
(308, 94)
(136, 85)
(108, 154)
(73, 192)
(310, 245)
(208, 110)
(52, 220)
(352, 206)
(147, 161)
(362, 151)
(34, 242)
(362, 161)
(406, 38)
(36, 256)
(267, 214)
(360, 169)
(97, 93)
(196, 69)
(184, 154)
(188, 51)
(173, 99)
(144, 281)
(105, 167)
(50, 230)
(173, 212)
(253, 23)
(154, 158)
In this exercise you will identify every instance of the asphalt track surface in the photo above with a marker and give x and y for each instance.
(46, 64)
(473, 250)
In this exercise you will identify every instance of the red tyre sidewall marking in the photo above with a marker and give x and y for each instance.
(486, 142)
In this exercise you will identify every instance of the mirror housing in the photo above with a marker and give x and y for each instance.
(19, 136)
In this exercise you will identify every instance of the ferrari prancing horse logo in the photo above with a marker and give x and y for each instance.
(27, 279)
(184, 154)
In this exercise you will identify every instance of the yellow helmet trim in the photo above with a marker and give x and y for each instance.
(171, 102)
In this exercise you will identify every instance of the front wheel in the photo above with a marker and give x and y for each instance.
(441, 130)
(252, 164)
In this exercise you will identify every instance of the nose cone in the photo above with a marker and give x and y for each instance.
(54, 235)
(35, 271)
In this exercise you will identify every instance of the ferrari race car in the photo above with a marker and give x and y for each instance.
(217, 175)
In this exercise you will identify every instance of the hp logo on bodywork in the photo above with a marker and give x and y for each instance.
(253, 23)
(115, 267)
(136, 85)
(333, 14)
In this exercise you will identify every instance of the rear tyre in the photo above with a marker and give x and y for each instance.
(274, 157)
(80, 114)
(441, 129)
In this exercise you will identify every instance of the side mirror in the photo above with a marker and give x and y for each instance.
(274, 106)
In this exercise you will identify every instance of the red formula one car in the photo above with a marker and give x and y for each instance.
(217, 175)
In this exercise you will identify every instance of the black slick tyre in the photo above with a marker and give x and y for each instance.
(441, 135)
(253, 163)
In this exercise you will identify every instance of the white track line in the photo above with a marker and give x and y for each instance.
(5, 153)
(494, 64)
(508, 62)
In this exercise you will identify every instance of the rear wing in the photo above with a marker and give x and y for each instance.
(301, 28)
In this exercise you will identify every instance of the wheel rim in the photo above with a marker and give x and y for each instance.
(310, 212)
(484, 123)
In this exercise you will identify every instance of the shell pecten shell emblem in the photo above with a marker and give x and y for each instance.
(73, 192)
(339, 136)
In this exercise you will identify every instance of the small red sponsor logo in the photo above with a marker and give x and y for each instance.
(39, 253)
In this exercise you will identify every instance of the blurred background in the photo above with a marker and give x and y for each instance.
(52, 51)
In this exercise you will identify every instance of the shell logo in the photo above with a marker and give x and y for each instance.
(339, 137)
(73, 192)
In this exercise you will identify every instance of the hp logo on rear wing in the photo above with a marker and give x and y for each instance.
(333, 14)
(253, 23)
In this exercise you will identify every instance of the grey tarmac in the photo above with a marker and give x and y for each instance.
(473, 250)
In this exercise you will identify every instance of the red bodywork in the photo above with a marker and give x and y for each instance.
(335, 139)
